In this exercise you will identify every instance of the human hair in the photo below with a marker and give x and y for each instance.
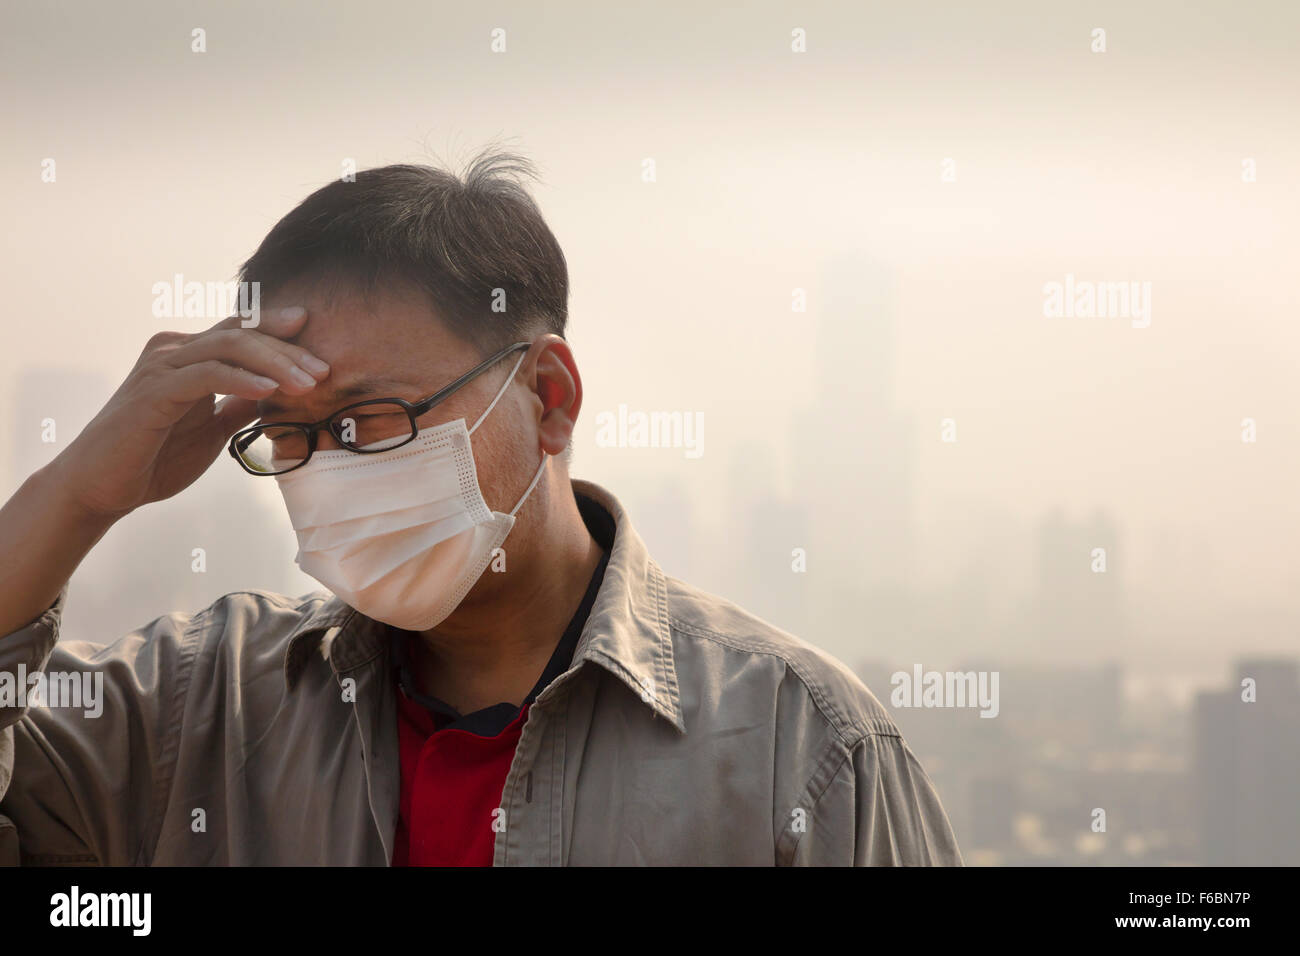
(475, 244)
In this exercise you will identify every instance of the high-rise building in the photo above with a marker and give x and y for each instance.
(1247, 767)
(853, 456)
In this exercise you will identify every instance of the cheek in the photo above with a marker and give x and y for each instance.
(502, 459)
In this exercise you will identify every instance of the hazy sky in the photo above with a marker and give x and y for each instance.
(775, 170)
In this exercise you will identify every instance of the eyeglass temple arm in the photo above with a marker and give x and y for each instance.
(428, 403)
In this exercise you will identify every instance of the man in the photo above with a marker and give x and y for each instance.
(498, 674)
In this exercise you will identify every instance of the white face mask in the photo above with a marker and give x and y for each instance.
(403, 535)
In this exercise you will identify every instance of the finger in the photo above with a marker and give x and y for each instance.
(160, 342)
(187, 385)
(294, 368)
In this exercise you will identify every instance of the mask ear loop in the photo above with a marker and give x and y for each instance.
(537, 477)
(509, 378)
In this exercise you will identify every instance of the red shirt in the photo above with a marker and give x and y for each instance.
(454, 766)
(452, 781)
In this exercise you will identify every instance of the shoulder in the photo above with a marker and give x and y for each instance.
(243, 631)
(251, 630)
(724, 642)
(239, 615)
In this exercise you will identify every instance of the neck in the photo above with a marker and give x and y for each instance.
(497, 643)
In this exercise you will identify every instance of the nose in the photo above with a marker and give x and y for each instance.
(325, 441)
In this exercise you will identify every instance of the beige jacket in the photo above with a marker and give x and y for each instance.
(262, 730)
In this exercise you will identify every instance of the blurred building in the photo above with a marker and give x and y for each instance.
(1023, 788)
(852, 454)
(1247, 767)
(1074, 608)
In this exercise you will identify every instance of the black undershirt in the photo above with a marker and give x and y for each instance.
(491, 721)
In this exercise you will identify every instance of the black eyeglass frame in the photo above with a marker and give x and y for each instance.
(413, 411)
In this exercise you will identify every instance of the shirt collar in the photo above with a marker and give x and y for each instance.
(626, 633)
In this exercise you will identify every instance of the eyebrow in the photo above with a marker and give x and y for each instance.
(341, 395)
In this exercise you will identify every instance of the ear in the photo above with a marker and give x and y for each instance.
(558, 387)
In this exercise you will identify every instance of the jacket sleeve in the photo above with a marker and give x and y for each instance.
(877, 808)
(85, 771)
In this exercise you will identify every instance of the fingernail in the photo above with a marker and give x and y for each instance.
(261, 381)
(293, 312)
(313, 364)
(301, 377)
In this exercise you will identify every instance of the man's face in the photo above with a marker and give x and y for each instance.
(394, 346)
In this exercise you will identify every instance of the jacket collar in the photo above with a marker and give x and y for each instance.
(626, 633)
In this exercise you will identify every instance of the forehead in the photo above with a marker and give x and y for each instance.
(391, 339)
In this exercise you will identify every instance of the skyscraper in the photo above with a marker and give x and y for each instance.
(1247, 767)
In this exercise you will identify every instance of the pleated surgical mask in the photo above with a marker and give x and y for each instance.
(403, 535)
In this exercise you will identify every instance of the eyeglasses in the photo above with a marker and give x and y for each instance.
(375, 425)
